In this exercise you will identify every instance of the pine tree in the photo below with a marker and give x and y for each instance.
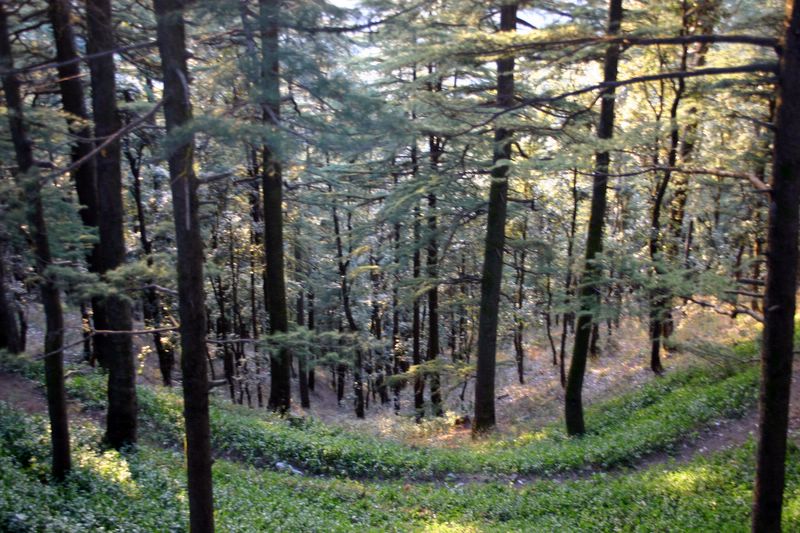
(589, 292)
(492, 273)
(191, 293)
(29, 179)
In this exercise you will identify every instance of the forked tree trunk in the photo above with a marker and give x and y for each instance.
(492, 273)
(191, 292)
(589, 294)
(781, 286)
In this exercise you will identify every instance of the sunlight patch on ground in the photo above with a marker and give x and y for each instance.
(687, 480)
(109, 465)
(450, 527)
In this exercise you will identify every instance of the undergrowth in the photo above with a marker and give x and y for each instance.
(144, 491)
(656, 417)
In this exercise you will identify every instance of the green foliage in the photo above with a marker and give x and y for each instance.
(655, 417)
(144, 492)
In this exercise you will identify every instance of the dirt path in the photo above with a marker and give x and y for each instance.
(29, 397)
(22, 393)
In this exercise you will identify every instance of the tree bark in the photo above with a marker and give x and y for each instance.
(302, 366)
(272, 182)
(73, 103)
(151, 306)
(416, 323)
(191, 292)
(111, 311)
(10, 338)
(51, 299)
(589, 293)
(781, 286)
(492, 273)
(568, 316)
(436, 150)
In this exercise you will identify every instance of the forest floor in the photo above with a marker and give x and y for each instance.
(521, 407)
(28, 396)
(621, 366)
(663, 454)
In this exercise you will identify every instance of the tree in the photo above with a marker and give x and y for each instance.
(74, 104)
(191, 293)
(777, 348)
(112, 311)
(272, 183)
(589, 292)
(492, 273)
(29, 179)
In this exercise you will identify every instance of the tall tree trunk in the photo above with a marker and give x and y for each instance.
(436, 149)
(191, 293)
(302, 367)
(519, 301)
(151, 306)
(74, 104)
(589, 294)
(51, 299)
(492, 273)
(704, 17)
(280, 362)
(568, 316)
(397, 352)
(256, 238)
(660, 297)
(779, 301)
(416, 323)
(312, 328)
(111, 311)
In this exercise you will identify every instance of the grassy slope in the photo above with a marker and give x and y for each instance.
(653, 418)
(144, 492)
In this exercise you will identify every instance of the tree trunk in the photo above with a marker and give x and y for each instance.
(191, 293)
(519, 301)
(111, 311)
(781, 286)
(436, 148)
(589, 293)
(151, 306)
(73, 103)
(660, 298)
(51, 300)
(9, 332)
(568, 316)
(416, 324)
(492, 273)
(280, 362)
(302, 369)
(312, 328)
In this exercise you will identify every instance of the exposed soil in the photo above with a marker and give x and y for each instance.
(28, 396)
(520, 406)
(22, 393)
